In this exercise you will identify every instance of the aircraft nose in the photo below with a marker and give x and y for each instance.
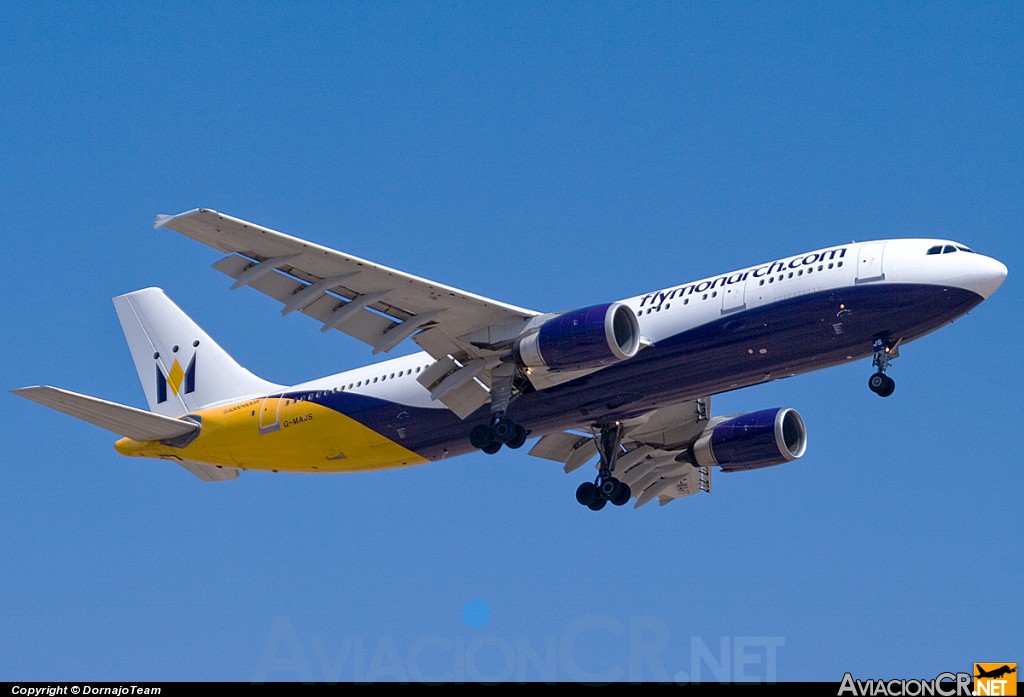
(986, 275)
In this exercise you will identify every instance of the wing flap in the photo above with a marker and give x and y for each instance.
(456, 385)
(121, 419)
(324, 304)
(566, 447)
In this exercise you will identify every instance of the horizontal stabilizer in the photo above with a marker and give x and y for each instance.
(127, 421)
(210, 473)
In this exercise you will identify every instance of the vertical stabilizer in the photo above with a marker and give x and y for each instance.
(181, 368)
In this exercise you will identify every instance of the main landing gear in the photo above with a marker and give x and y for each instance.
(501, 430)
(885, 350)
(606, 487)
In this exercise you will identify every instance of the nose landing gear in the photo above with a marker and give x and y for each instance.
(886, 350)
(881, 384)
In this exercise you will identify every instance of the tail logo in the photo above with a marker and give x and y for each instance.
(180, 381)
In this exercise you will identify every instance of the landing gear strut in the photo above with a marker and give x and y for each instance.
(605, 487)
(885, 350)
(501, 430)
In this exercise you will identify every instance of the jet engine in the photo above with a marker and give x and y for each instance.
(591, 337)
(751, 441)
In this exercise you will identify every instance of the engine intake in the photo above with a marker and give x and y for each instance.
(591, 337)
(751, 441)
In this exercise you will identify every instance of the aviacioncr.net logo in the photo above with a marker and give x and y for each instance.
(995, 679)
(943, 685)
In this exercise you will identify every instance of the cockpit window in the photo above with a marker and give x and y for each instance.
(949, 249)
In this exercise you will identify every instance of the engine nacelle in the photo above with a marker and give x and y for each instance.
(588, 338)
(751, 441)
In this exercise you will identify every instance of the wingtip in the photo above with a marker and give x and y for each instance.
(162, 219)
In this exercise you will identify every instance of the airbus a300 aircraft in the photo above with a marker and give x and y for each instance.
(627, 382)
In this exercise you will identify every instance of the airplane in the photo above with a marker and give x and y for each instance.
(628, 382)
(997, 672)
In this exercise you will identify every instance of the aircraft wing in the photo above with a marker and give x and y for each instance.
(378, 305)
(652, 444)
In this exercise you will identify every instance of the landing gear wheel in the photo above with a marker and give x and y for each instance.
(597, 505)
(876, 382)
(587, 493)
(888, 388)
(611, 488)
(480, 436)
(491, 448)
(519, 439)
(503, 429)
(623, 496)
(881, 384)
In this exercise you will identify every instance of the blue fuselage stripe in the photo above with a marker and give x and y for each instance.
(788, 337)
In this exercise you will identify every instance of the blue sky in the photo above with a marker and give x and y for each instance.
(551, 155)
